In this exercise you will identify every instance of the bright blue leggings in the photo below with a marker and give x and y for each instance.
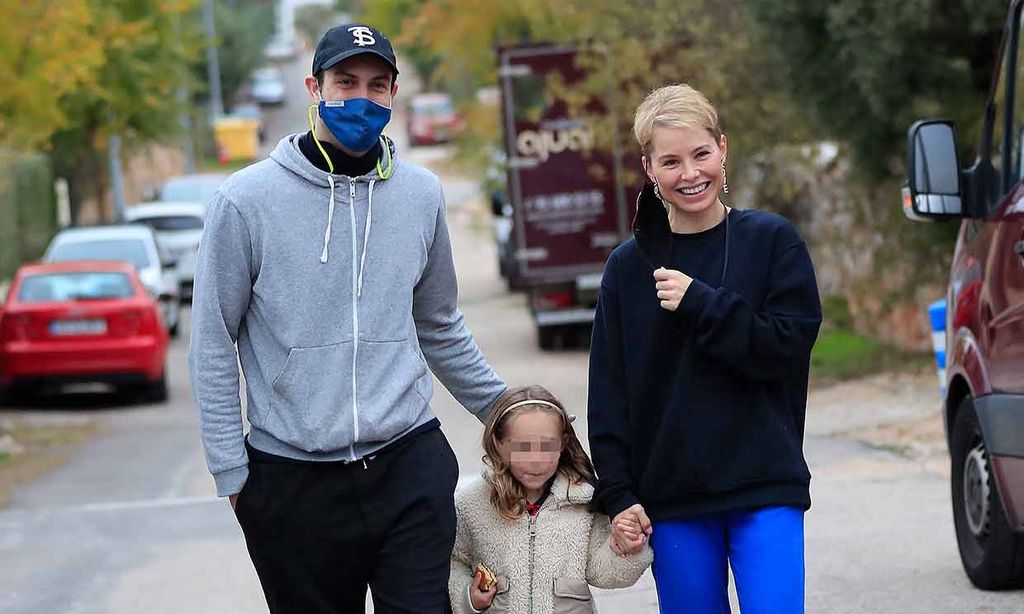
(765, 548)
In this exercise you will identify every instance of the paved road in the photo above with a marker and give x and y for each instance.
(131, 524)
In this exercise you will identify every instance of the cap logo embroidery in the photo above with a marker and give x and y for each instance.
(362, 36)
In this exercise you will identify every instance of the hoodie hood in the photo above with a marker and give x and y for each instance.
(287, 154)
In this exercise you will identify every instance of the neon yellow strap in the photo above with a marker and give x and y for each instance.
(312, 127)
(387, 152)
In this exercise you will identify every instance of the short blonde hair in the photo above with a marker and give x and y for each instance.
(675, 106)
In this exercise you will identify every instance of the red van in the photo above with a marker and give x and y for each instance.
(984, 403)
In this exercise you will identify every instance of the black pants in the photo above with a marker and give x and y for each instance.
(319, 533)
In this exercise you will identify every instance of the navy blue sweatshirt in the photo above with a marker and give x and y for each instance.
(701, 410)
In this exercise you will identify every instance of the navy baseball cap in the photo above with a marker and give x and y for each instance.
(342, 42)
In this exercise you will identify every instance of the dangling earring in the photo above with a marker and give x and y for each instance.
(725, 183)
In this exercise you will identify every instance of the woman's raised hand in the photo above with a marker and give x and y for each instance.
(671, 286)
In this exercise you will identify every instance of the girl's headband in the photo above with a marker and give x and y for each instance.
(528, 402)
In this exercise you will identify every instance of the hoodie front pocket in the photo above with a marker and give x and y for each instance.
(393, 387)
(311, 400)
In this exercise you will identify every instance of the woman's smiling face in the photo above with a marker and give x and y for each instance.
(687, 166)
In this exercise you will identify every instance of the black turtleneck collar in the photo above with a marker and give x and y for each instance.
(344, 164)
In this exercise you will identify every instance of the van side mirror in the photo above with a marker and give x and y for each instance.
(933, 189)
(497, 203)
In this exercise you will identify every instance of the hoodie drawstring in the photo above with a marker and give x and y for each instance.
(366, 237)
(330, 219)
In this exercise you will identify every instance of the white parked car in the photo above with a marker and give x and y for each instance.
(197, 188)
(133, 243)
(268, 86)
(178, 228)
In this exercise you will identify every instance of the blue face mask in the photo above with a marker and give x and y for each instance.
(357, 123)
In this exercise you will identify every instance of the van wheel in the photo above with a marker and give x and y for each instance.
(549, 337)
(991, 553)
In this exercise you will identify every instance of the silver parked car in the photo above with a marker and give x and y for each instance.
(178, 228)
(132, 243)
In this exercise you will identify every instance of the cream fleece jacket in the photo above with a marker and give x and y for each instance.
(543, 564)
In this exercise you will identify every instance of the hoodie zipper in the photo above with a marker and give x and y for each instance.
(355, 317)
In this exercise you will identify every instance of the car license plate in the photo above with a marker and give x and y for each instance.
(78, 327)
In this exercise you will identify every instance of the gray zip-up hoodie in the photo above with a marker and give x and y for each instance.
(338, 292)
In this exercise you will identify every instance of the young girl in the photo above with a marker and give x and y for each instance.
(527, 519)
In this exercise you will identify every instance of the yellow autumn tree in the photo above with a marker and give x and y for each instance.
(632, 46)
(47, 52)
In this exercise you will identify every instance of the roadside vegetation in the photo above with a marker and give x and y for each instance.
(841, 354)
(127, 67)
(785, 75)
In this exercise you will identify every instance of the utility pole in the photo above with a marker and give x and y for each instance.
(186, 132)
(185, 114)
(212, 61)
(116, 183)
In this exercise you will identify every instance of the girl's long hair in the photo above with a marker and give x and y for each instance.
(507, 495)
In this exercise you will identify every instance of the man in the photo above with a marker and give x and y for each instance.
(329, 266)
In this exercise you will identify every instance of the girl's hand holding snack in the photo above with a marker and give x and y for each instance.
(480, 596)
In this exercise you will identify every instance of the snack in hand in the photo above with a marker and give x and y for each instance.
(489, 580)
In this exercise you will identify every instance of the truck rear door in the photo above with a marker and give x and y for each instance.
(569, 209)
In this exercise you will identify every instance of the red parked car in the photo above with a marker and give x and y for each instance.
(984, 404)
(82, 321)
(432, 119)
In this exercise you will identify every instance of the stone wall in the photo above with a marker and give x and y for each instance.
(144, 171)
(885, 267)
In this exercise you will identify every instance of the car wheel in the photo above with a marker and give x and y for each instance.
(155, 391)
(991, 553)
(172, 330)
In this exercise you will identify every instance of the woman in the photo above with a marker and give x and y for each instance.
(698, 376)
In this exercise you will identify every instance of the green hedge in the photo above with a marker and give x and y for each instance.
(28, 206)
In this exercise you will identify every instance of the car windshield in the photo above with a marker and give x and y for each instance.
(269, 76)
(63, 287)
(126, 250)
(168, 223)
(194, 189)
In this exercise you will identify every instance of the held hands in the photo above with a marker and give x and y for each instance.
(630, 529)
(671, 286)
(478, 597)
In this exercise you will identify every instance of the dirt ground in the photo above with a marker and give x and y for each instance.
(897, 412)
(32, 444)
